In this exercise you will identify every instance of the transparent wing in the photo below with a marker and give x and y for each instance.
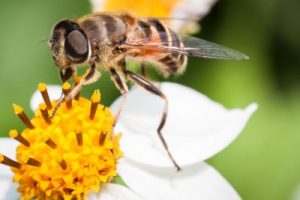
(201, 48)
(192, 46)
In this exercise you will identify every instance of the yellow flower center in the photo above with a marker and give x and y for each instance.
(66, 156)
(146, 8)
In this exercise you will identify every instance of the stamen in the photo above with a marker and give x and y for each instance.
(51, 143)
(79, 138)
(67, 89)
(102, 138)
(9, 162)
(68, 191)
(66, 142)
(20, 112)
(95, 100)
(42, 87)
(63, 164)
(45, 113)
(14, 134)
(33, 162)
(77, 80)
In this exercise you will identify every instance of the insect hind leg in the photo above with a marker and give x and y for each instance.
(122, 87)
(154, 90)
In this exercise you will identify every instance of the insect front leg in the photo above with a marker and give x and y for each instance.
(139, 80)
(89, 77)
(122, 87)
(66, 74)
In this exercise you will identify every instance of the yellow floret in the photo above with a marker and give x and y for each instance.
(71, 155)
(161, 8)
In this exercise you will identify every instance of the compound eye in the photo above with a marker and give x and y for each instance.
(76, 46)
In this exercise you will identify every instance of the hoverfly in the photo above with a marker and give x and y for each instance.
(107, 40)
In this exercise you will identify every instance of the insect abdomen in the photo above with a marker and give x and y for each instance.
(171, 63)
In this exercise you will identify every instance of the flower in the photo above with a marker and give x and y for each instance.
(198, 125)
(196, 129)
(68, 155)
(183, 13)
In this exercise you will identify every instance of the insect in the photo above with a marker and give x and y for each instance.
(106, 41)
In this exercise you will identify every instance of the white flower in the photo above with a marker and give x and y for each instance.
(185, 13)
(192, 10)
(196, 129)
(7, 188)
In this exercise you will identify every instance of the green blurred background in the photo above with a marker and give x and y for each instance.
(263, 163)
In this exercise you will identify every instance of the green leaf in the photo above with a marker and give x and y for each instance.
(118, 180)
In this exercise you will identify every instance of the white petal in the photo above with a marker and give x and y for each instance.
(196, 127)
(54, 94)
(190, 9)
(195, 182)
(8, 188)
(8, 148)
(112, 191)
(97, 5)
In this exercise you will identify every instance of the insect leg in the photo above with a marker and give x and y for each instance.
(66, 74)
(153, 89)
(89, 77)
(122, 87)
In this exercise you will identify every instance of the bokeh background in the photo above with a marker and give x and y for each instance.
(264, 162)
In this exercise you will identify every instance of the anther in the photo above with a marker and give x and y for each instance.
(42, 87)
(33, 162)
(77, 81)
(63, 164)
(9, 162)
(102, 138)
(95, 100)
(51, 143)
(66, 90)
(17, 136)
(20, 112)
(45, 113)
(79, 137)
